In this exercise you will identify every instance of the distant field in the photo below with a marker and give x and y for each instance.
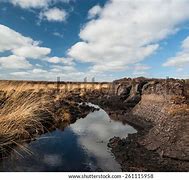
(45, 86)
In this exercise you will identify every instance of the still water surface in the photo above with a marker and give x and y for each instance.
(81, 146)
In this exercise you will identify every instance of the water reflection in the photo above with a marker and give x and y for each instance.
(94, 132)
(82, 146)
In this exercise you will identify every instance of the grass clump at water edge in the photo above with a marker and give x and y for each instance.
(23, 115)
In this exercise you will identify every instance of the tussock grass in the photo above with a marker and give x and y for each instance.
(28, 109)
(23, 115)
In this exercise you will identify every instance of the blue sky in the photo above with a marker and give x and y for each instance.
(106, 39)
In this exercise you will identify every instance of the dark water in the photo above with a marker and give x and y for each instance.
(82, 146)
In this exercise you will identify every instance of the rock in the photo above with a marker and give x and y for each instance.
(133, 99)
(115, 141)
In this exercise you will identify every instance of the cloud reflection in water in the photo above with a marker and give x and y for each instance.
(94, 132)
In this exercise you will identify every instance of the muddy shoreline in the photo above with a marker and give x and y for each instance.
(159, 110)
(134, 157)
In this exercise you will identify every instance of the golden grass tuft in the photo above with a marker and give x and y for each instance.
(23, 115)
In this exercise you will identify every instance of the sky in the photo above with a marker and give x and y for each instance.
(105, 39)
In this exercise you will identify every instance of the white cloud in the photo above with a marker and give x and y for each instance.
(113, 67)
(63, 69)
(37, 4)
(58, 34)
(51, 74)
(69, 68)
(128, 31)
(14, 62)
(11, 39)
(20, 45)
(185, 44)
(140, 69)
(56, 60)
(20, 73)
(179, 60)
(33, 52)
(23, 47)
(31, 3)
(54, 14)
(182, 58)
(39, 71)
(94, 11)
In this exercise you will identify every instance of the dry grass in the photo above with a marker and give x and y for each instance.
(23, 115)
(28, 109)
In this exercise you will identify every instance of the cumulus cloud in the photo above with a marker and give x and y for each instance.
(54, 14)
(47, 13)
(31, 4)
(20, 45)
(33, 52)
(113, 67)
(56, 60)
(182, 58)
(94, 11)
(14, 62)
(11, 39)
(126, 32)
(37, 4)
(23, 49)
(63, 69)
